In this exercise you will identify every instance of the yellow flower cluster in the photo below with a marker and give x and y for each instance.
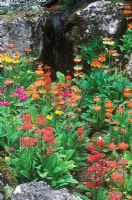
(58, 112)
(7, 59)
(108, 41)
(49, 117)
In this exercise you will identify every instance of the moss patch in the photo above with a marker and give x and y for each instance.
(8, 174)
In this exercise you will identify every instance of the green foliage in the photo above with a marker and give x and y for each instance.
(67, 4)
(93, 48)
(127, 42)
(106, 86)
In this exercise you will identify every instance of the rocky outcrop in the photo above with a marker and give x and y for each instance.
(129, 67)
(41, 191)
(101, 18)
(7, 175)
(1, 186)
(54, 35)
(8, 180)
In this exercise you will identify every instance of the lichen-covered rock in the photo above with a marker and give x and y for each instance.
(1, 196)
(41, 191)
(1, 182)
(101, 18)
(129, 67)
(42, 31)
(7, 175)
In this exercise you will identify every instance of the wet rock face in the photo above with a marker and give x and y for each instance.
(41, 191)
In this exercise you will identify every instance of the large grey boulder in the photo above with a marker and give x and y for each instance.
(101, 18)
(41, 191)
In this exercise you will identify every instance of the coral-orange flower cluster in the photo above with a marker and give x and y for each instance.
(109, 108)
(97, 63)
(127, 10)
(127, 92)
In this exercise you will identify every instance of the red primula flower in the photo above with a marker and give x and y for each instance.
(115, 196)
(28, 141)
(112, 147)
(48, 134)
(112, 164)
(123, 162)
(49, 150)
(27, 117)
(90, 184)
(123, 146)
(96, 157)
(101, 143)
(38, 131)
(80, 139)
(80, 131)
(117, 177)
(68, 77)
(27, 126)
(41, 120)
(91, 147)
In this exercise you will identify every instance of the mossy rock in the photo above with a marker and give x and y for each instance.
(8, 174)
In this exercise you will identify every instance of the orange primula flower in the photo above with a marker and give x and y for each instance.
(8, 81)
(41, 91)
(109, 104)
(96, 99)
(97, 108)
(96, 63)
(127, 10)
(108, 120)
(127, 89)
(27, 117)
(73, 105)
(110, 110)
(130, 112)
(10, 45)
(27, 50)
(130, 25)
(39, 72)
(116, 122)
(108, 114)
(78, 68)
(68, 77)
(115, 128)
(130, 120)
(77, 59)
(113, 53)
(77, 90)
(127, 7)
(39, 82)
(35, 96)
(130, 103)
(120, 109)
(101, 58)
(127, 92)
(76, 74)
(61, 102)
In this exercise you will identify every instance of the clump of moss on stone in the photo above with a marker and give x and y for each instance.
(8, 174)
